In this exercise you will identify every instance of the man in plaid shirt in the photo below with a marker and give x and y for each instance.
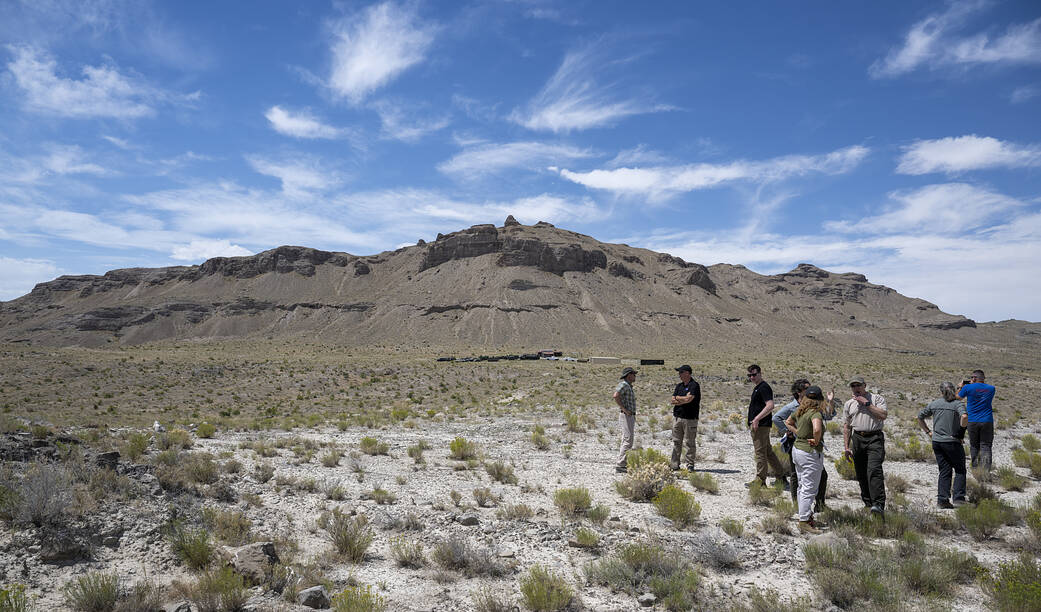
(625, 397)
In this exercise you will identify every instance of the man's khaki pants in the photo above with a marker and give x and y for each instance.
(764, 454)
(627, 423)
(684, 428)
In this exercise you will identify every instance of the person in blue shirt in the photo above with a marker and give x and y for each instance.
(979, 398)
(798, 387)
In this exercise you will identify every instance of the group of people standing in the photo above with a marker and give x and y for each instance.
(801, 423)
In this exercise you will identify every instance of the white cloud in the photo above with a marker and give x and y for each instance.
(639, 154)
(18, 276)
(200, 250)
(662, 182)
(299, 176)
(952, 155)
(102, 92)
(949, 207)
(932, 43)
(1025, 93)
(399, 124)
(373, 48)
(573, 99)
(300, 124)
(484, 159)
(71, 159)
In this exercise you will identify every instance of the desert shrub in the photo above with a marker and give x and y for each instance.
(1009, 479)
(457, 555)
(485, 599)
(732, 527)
(540, 440)
(40, 432)
(977, 490)
(677, 505)
(351, 536)
(358, 599)
(586, 538)
(639, 567)
(916, 451)
(779, 519)
(232, 466)
(136, 445)
(332, 458)
(381, 496)
(515, 512)
(703, 481)
(93, 592)
(984, 520)
(761, 495)
(544, 590)
(642, 483)
(573, 501)
(206, 430)
(639, 457)
(1031, 442)
(895, 524)
(500, 472)
(484, 497)
(416, 453)
(192, 546)
(177, 439)
(229, 526)
(146, 595)
(42, 497)
(407, 552)
(263, 472)
(598, 514)
(169, 457)
(897, 483)
(14, 599)
(1016, 585)
(715, 548)
(1033, 521)
(845, 468)
(462, 449)
(220, 590)
(200, 468)
(372, 446)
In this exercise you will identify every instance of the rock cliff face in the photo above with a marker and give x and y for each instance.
(514, 285)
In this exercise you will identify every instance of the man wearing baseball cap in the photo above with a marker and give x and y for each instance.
(866, 444)
(625, 397)
(686, 408)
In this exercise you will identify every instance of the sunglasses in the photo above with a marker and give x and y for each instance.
(753, 374)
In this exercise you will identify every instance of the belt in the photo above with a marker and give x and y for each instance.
(868, 434)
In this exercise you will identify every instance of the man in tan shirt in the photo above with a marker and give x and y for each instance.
(864, 413)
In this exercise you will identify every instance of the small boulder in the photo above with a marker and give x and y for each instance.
(315, 597)
(469, 520)
(253, 561)
(647, 600)
(178, 606)
(107, 460)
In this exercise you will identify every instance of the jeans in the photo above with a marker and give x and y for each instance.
(809, 467)
(981, 437)
(684, 428)
(869, 451)
(950, 456)
(627, 423)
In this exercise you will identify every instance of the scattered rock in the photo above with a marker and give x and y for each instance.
(647, 600)
(468, 519)
(254, 561)
(315, 597)
(178, 606)
(107, 460)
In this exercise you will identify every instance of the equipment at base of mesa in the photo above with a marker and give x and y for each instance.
(652, 362)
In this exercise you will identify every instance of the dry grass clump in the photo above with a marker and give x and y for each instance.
(539, 438)
(1016, 585)
(175, 439)
(779, 519)
(677, 505)
(372, 446)
(895, 524)
(416, 451)
(229, 526)
(1024, 458)
(462, 449)
(351, 536)
(983, 520)
(381, 496)
(500, 472)
(206, 430)
(732, 527)
(219, 590)
(484, 497)
(201, 468)
(640, 567)
(332, 458)
(703, 481)
(639, 457)
(761, 495)
(456, 554)
(845, 468)
(43, 495)
(93, 592)
(586, 538)
(515, 512)
(14, 599)
(545, 591)
(486, 599)
(136, 445)
(598, 514)
(1031, 442)
(407, 552)
(191, 545)
(358, 599)
(642, 483)
(1009, 479)
(572, 502)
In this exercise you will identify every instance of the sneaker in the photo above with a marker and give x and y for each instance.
(690, 468)
(807, 527)
(621, 469)
(944, 504)
(960, 502)
(878, 510)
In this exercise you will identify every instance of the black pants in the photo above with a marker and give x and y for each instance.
(950, 456)
(822, 488)
(869, 451)
(981, 437)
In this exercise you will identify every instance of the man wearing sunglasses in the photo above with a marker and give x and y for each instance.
(760, 408)
(866, 444)
(979, 398)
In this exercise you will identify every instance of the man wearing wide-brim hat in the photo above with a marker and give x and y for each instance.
(625, 397)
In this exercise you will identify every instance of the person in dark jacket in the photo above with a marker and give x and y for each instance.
(686, 409)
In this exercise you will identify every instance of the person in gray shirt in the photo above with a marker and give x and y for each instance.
(949, 417)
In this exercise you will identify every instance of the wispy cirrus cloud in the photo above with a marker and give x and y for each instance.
(484, 159)
(397, 122)
(300, 175)
(577, 98)
(300, 124)
(935, 42)
(947, 207)
(200, 250)
(102, 92)
(661, 182)
(19, 275)
(373, 47)
(964, 153)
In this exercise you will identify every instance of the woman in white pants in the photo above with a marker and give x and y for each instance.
(807, 424)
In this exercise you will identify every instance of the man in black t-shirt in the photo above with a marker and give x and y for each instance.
(686, 408)
(759, 409)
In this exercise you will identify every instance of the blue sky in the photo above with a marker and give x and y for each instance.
(901, 140)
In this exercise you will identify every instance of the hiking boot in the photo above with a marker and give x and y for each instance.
(959, 502)
(690, 468)
(674, 466)
(807, 527)
(621, 469)
(944, 504)
(878, 511)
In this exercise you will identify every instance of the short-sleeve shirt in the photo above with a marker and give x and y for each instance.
(627, 395)
(692, 409)
(804, 431)
(760, 395)
(946, 418)
(979, 398)
(859, 418)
